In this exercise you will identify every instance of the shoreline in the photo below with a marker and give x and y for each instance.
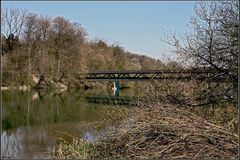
(23, 88)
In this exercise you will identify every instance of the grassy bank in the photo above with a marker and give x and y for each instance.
(160, 131)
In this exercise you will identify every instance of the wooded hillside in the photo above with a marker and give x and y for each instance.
(58, 50)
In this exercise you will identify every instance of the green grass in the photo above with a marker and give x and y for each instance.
(78, 149)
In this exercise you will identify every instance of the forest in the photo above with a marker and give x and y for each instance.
(58, 50)
(43, 52)
(178, 120)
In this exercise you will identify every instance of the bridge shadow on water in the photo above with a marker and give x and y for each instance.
(122, 100)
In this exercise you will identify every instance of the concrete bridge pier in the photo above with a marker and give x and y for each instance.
(116, 88)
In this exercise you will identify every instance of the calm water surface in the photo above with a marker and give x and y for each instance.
(32, 120)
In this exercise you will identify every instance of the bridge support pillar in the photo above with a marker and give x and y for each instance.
(116, 88)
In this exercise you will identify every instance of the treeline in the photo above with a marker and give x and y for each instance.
(58, 50)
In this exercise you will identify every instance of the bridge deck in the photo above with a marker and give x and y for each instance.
(201, 75)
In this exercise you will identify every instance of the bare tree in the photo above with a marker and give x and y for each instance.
(12, 23)
(13, 19)
(212, 43)
(213, 39)
(43, 30)
(66, 39)
(30, 37)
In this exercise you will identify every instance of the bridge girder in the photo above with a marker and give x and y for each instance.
(158, 75)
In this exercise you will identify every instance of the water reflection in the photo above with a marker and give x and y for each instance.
(32, 120)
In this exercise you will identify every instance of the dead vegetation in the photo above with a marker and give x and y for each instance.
(164, 131)
(161, 131)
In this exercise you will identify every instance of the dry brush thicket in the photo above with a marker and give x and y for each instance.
(160, 131)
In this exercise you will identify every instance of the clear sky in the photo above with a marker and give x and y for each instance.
(136, 26)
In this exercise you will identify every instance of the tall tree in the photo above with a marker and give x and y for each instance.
(13, 21)
(65, 40)
(12, 25)
(212, 43)
(30, 37)
(213, 39)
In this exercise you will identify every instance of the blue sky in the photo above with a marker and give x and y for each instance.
(136, 26)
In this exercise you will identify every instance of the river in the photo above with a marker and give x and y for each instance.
(32, 120)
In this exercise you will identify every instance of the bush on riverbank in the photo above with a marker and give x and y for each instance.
(162, 131)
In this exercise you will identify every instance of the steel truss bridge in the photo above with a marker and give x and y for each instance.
(134, 75)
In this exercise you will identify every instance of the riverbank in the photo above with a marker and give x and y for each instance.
(160, 131)
(63, 85)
